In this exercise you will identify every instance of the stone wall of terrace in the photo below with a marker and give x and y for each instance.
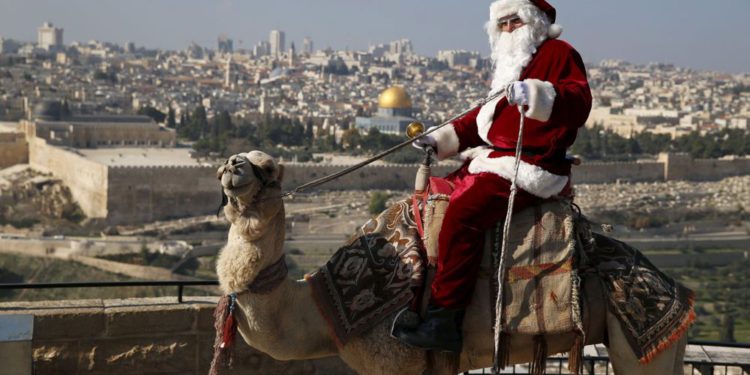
(141, 336)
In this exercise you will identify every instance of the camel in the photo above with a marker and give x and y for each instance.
(285, 323)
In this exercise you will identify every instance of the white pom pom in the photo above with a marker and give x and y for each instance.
(554, 31)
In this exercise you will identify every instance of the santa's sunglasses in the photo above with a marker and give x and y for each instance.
(513, 20)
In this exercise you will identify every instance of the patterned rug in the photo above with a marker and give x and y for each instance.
(653, 309)
(374, 275)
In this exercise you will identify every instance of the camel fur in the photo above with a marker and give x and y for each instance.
(286, 325)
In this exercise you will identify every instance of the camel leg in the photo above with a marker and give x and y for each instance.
(624, 360)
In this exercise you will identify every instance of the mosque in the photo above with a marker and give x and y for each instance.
(394, 113)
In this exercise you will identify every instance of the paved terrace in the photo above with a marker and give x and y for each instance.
(140, 157)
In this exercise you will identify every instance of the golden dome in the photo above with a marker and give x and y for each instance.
(394, 98)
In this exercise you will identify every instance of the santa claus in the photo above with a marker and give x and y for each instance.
(547, 78)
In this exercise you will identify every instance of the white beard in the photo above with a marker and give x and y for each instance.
(512, 52)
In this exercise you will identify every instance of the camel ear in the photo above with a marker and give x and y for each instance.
(280, 173)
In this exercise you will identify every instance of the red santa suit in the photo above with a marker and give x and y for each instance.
(559, 103)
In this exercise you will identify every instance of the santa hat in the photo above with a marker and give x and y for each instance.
(504, 8)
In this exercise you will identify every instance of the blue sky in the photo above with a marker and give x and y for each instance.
(706, 35)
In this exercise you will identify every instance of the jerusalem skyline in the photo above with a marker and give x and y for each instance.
(634, 32)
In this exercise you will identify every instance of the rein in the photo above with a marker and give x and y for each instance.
(343, 172)
(500, 359)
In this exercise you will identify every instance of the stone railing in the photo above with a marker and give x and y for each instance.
(141, 336)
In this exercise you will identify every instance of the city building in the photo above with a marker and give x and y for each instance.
(394, 113)
(277, 39)
(459, 57)
(50, 37)
(8, 46)
(119, 169)
(263, 48)
(53, 123)
(307, 46)
(225, 44)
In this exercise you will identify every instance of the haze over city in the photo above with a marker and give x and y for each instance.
(694, 34)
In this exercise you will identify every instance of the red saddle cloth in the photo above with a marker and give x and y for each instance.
(437, 186)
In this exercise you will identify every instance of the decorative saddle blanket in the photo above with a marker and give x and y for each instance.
(382, 267)
(374, 275)
(653, 309)
(541, 287)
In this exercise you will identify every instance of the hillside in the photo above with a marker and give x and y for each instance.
(17, 269)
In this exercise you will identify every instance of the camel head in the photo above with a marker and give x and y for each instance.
(251, 184)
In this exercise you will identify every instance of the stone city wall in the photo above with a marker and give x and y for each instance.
(601, 173)
(87, 180)
(141, 336)
(146, 194)
(401, 177)
(13, 149)
(713, 169)
(393, 177)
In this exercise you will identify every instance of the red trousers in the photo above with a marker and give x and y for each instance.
(478, 202)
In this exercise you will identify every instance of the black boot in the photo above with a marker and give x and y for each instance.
(440, 331)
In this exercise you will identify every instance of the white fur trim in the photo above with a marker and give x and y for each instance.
(485, 117)
(447, 141)
(554, 31)
(541, 99)
(531, 178)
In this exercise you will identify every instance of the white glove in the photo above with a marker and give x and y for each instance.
(518, 93)
(426, 141)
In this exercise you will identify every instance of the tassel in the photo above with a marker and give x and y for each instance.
(502, 359)
(575, 356)
(226, 327)
(539, 363)
(229, 329)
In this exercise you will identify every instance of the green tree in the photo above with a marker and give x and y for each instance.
(351, 139)
(727, 329)
(406, 155)
(171, 123)
(378, 200)
(197, 124)
(154, 113)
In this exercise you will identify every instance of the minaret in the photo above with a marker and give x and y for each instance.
(228, 73)
(265, 106)
(292, 56)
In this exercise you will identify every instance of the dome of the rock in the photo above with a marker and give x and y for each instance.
(394, 98)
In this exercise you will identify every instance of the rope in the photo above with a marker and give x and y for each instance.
(331, 177)
(497, 366)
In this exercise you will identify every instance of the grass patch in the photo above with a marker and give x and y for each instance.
(720, 292)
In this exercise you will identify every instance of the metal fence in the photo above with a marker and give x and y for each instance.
(600, 365)
(180, 284)
(701, 358)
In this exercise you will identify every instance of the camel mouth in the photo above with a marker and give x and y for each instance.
(239, 177)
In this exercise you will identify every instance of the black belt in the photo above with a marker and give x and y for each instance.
(559, 155)
(524, 151)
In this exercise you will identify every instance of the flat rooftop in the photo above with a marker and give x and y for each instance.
(140, 157)
(9, 127)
